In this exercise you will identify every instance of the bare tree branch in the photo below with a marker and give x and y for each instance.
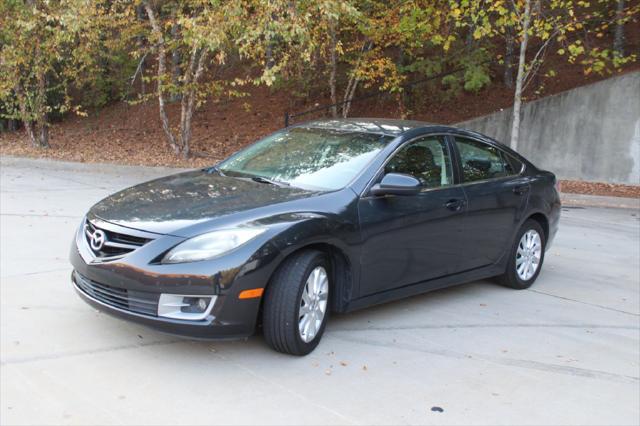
(138, 69)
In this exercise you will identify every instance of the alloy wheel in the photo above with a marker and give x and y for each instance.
(528, 255)
(313, 304)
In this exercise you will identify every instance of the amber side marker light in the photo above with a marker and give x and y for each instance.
(251, 294)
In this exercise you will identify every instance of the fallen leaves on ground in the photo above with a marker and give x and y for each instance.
(599, 188)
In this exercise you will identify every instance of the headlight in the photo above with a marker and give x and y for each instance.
(210, 245)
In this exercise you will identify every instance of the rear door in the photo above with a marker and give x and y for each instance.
(496, 194)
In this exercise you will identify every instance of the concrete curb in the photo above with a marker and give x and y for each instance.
(582, 200)
(50, 163)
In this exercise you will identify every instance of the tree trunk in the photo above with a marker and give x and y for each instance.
(401, 108)
(185, 112)
(12, 125)
(269, 43)
(41, 112)
(43, 136)
(517, 98)
(189, 99)
(470, 41)
(31, 134)
(24, 114)
(140, 17)
(175, 59)
(350, 91)
(618, 36)
(333, 65)
(349, 94)
(162, 70)
(508, 59)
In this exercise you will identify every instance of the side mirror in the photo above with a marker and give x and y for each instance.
(396, 184)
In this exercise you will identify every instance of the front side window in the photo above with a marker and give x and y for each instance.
(481, 161)
(425, 159)
(310, 158)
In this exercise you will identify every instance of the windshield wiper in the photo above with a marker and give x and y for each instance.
(263, 179)
(242, 175)
(214, 169)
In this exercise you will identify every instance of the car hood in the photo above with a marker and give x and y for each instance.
(168, 204)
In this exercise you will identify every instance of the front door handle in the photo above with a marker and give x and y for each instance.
(521, 189)
(454, 205)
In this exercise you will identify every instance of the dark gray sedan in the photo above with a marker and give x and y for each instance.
(325, 216)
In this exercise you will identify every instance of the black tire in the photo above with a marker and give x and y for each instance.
(511, 278)
(282, 303)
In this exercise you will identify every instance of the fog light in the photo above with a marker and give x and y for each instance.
(185, 307)
(202, 304)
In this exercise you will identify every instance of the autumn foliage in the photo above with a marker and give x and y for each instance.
(61, 57)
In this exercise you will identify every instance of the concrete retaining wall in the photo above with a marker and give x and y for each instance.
(590, 133)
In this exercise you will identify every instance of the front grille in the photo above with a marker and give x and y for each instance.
(140, 302)
(109, 245)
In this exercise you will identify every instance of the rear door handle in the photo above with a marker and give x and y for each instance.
(521, 189)
(454, 205)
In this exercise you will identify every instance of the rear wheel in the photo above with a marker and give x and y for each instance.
(296, 304)
(527, 255)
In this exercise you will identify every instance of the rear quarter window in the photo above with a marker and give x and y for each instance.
(513, 166)
(482, 161)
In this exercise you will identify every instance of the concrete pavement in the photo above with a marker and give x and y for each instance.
(567, 351)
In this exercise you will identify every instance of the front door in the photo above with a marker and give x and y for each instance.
(413, 238)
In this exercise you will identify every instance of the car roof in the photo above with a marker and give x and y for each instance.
(383, 126)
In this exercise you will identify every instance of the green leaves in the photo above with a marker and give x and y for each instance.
(42, 54)
(106, 51)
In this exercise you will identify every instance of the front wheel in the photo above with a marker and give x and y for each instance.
(296, 304)
(526, 257)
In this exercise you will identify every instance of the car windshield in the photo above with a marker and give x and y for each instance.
(309, 158)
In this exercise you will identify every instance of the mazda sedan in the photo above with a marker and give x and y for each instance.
(326, 216)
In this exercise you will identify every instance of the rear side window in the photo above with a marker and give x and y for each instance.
(481, 161)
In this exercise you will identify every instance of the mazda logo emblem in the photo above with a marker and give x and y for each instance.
(97, 240)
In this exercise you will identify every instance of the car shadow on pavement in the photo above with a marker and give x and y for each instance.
(403, 314)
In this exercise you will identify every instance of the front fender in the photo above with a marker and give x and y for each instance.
(334, 233)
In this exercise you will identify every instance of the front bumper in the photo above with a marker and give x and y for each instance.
(136, 278)
(209, 328)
